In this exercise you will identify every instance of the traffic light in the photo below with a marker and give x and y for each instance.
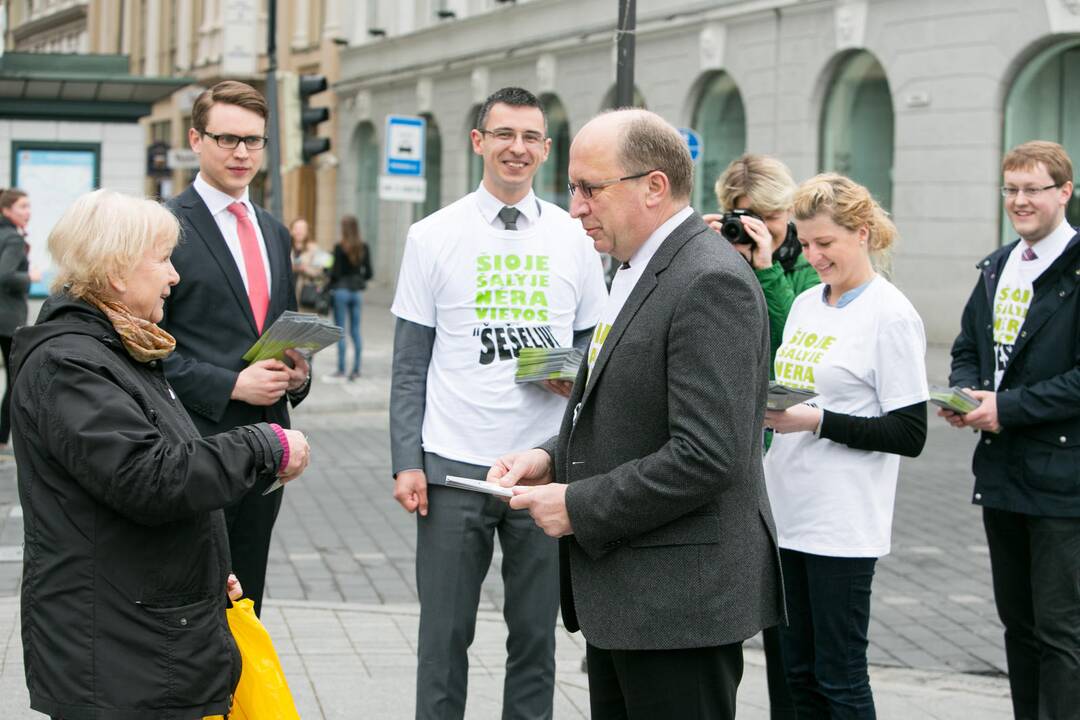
(310, 117)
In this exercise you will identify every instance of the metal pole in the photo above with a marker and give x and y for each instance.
(272, 129)
(624, 68)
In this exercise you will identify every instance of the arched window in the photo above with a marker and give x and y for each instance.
(366, 206)
(432, 169)
(1043, 104)
(720, 120)
(475, 162)
(857, 125)
(551, 180)
(609, 99)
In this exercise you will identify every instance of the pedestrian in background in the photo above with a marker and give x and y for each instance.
(497, 270)
(859, 345)
(15, 278)
(1017, 352)
(310, 274)
(126, 557)
(654, 482)
(348, 277)
(762, 185)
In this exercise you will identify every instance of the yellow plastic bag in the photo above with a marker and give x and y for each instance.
(262, 693)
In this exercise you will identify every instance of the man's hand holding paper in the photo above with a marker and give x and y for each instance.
(528, 467)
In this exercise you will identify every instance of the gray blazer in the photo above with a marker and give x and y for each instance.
(674, 544)
(14, 278)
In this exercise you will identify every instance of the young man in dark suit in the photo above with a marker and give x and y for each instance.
(654, 483)
(235, 280)
(1018, 351)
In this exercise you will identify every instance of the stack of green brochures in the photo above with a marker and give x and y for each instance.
(953, 398)
(535, 364)
(294, 331)
(781, 397)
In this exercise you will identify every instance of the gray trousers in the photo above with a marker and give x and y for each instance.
(454, 545)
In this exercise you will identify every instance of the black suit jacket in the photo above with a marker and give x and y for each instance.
(1033, 465)
(210, 316)
(674, 544)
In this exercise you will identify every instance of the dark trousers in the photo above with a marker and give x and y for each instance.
(1035, 563)
(5, 404)
(824, 643)
(454, 545)
(695, 683)
(250, 522)
(781, 704)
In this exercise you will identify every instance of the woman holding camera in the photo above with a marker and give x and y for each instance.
(832, 469)
(760, 189)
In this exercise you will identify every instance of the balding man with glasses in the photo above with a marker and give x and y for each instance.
(1018, 353)
(235, 280)
(654, 483)
(496, 272)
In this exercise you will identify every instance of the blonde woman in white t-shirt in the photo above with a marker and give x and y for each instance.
(831, 473)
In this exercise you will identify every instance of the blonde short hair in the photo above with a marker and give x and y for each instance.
(103, 235)
(850, 206)
(763, 180)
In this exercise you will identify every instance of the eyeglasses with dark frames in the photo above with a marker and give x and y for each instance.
(1010, 192)
(587, 189)
(227, 141)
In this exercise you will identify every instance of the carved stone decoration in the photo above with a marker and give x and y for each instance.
(481, 83)
(424, 93)
(711, 43)
(1064, 15)
(546, 71)
(850, 18)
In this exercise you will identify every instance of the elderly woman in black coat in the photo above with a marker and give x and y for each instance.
(126, 552)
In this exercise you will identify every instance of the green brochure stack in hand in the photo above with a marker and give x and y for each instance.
(781, 397)
(953, 398)
(294, 331)
(536, 364)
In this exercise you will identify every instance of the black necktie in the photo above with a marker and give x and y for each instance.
(509, 216)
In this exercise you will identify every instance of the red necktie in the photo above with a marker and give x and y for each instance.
(258, 294)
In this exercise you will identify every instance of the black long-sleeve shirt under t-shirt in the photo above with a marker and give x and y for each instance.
(902, 431)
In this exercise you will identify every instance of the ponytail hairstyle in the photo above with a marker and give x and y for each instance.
(850, 206)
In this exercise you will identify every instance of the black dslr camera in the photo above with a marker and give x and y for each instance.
(732, 228)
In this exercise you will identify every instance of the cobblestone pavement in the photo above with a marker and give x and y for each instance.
(343, 549)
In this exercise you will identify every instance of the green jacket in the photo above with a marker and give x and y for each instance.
(781, 288)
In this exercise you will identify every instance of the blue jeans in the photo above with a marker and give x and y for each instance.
(824, 643)
(348, 302)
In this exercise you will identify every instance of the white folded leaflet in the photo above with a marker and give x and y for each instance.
(478, 486)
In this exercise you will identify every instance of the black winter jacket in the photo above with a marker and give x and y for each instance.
(126, 555)
(1033, 465)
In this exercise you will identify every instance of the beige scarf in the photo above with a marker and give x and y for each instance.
(144, 340)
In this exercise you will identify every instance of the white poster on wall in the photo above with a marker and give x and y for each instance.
(53, 178)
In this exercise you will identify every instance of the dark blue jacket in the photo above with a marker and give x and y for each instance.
(1033, 465)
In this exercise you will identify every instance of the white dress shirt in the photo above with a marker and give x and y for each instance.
(217, 203)
(490, 206)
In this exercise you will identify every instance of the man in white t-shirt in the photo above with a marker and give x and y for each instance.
(1017, 351)
(497, 271)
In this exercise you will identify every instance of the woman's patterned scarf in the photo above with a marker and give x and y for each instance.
(144, 340)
